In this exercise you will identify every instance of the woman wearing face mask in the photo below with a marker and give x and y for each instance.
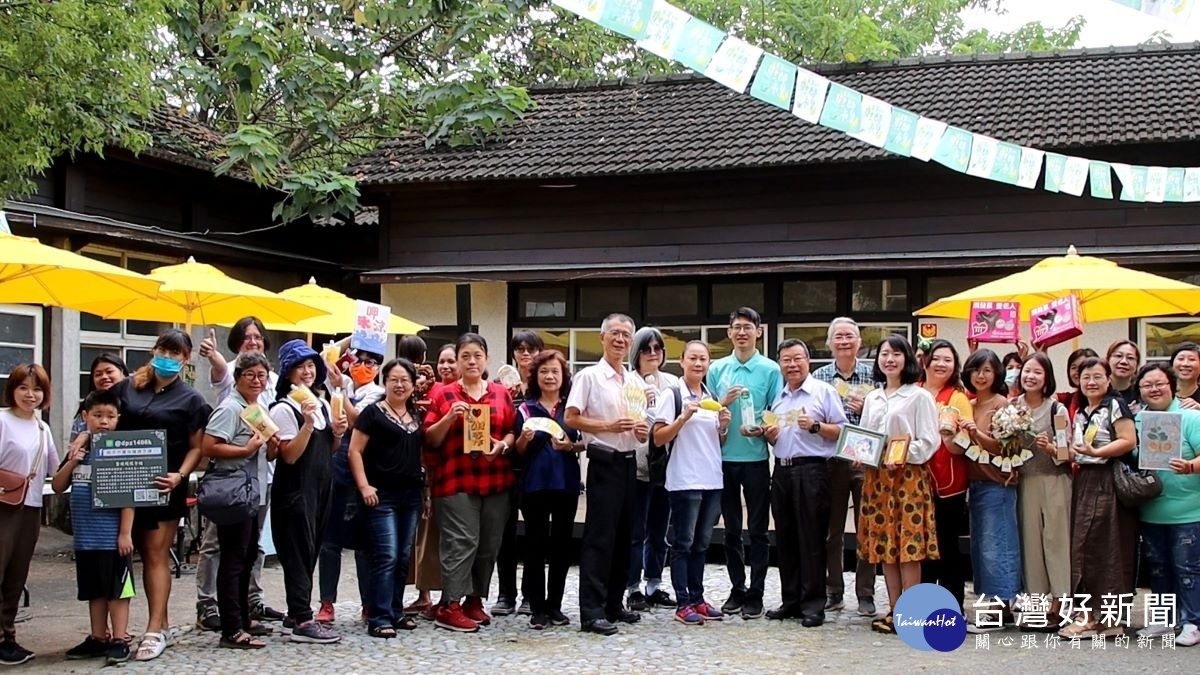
(1185, 362)
(1012, 371)
(1171, 521)
(360, 389)
(155, 397)
(1074, 399)
(1103, 531)
(1124, 358)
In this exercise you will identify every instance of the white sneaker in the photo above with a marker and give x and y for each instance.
(1190, 635)
(1155, 631)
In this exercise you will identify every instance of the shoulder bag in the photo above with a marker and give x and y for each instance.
(14, 486)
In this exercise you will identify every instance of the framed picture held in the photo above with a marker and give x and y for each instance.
(858, 444)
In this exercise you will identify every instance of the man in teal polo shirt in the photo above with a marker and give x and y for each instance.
(747, 382)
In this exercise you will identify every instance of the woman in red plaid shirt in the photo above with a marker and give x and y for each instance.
(471, 489)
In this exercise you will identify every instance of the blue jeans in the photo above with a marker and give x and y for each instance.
(330, 560)
(995, 540)
(392, 525)
(694, 515)
(1173, 556)
(651, 516)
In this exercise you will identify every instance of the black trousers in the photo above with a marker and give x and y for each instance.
(298, 525)
(800, 503)
(604, 557)
(239, 549)
(509, 555)
(549, 521)
(754, 479)
(950, 570)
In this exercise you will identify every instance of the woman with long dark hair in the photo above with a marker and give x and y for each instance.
(156, 397)
(106, 370)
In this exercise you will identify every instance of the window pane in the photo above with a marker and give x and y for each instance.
(1163, 336)
(805, 297)
(143, 266)
(873, 335)
(136, 358)
(17, 328)
(11, 357)
(680, 300)
(94, 323)
(588, 349)
(728, 297)
(558, 339)
(879, 295)
(542, 302)
(813, 336)
(676, 339)
(937, 288)
(719, 344)
(597, 302)
(150, 328)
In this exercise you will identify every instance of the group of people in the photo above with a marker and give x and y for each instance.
(373, 455)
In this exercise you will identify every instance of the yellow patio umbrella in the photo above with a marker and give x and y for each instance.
(1106, 291)
(34, 273)
(196, 293)
(340, 309)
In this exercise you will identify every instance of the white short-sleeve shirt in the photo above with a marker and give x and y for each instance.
(19, 442)
(597, 392)
(695, 462)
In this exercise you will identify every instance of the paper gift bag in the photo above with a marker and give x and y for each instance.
(1056, 321)
(994, 322)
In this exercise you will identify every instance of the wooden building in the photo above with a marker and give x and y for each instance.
(676, 200)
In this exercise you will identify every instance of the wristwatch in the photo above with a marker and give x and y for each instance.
(815, 427)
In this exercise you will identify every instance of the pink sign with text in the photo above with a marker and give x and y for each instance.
(994, 322)
(1056, 321)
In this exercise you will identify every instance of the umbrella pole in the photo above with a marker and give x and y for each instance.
(309, 339)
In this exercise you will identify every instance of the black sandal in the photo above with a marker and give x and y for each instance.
(385, 632)
(258, 629)
(242, 640)
(405, 623)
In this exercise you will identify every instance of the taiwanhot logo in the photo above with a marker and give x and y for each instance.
(927, 618)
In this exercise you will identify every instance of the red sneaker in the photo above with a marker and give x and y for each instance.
(451, 617)
(473, 608)
(325, 614)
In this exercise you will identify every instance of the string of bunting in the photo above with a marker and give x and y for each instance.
(672, 33)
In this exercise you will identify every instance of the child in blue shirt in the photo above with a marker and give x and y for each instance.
(103, 540)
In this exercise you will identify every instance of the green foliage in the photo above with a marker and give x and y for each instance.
(74, 75)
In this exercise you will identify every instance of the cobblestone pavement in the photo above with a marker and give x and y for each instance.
(656, 644)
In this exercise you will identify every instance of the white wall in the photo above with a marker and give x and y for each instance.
(1097, 335)
(434, 304)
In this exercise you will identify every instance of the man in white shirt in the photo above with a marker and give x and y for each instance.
(596, 406)
(810, 419)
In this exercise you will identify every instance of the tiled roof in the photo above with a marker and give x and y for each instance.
(182, 139)
(1061, 100)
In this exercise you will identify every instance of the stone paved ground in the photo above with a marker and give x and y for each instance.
(657, 644)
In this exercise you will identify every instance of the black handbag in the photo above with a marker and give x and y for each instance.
(1134, 486)
(228, 496)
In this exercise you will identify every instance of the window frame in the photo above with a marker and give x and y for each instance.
(36, 312)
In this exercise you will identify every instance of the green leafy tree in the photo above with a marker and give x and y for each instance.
(74, 76)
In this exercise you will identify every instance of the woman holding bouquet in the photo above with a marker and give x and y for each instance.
(1044, 493)
(896, 521)
(1103, 531)
(996, 433)
(948, 468)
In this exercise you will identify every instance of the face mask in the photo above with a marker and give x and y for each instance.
(1010, 377)
(165, 366)
(362, 374)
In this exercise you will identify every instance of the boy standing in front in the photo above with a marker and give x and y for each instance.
(103, 541)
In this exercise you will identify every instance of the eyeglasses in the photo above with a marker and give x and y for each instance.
(651, 349)
(1154, 386)
(369, 362)
(249, 375)
(844, 337)
(1093, 378)
(1121, 358)
(742, 328)
(792, 360)
(398, 382)
(525, 349)
(623, 334)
